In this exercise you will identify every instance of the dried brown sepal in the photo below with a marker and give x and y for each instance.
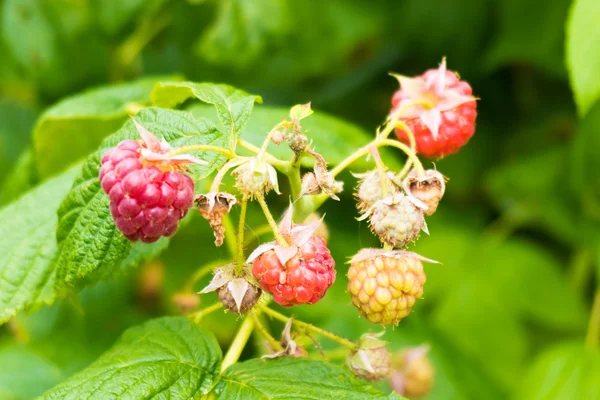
(289, 345)
(213, 207)
(428, 189)
(320, 180)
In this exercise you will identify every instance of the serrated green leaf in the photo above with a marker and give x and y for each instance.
(168, 357)
(88, 239)
(24, 374)
(28, 246)
(564, 372)
(332, 137)
(293, 379)
(234, 106)
(583, 53)
(75, 126)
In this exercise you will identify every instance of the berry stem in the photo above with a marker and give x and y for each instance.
(238, 344)
(239, 267)
(230, 238)
(592, 338)
(411, 155)
(294, 174)
(308, 327)
(265, 144)
(394, 121)
(216, 183)
(198, 315)
(200, 147)
(276, 162)
(278, 236)
(381, 170)
(265, 332)
(201, 273)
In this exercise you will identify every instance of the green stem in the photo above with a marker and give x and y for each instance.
(265, 144)
(592, 338)
(198, 315)
(382, 171)
(216, 183)
(580, 268)
(230, 238)
(308, 327)
(265, 332)
(238, 344)
(239, 267)
(411, 155)
(201, 273)
(281, 165)
(276, 232)
(200, 147)
(294, 175)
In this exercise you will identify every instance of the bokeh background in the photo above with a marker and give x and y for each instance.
(506, 312)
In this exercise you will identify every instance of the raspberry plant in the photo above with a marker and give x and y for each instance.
(134, 192)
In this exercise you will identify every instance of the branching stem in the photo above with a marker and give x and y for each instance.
(308, 327)
(238, 344)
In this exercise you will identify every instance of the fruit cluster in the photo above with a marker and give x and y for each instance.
(149, 187)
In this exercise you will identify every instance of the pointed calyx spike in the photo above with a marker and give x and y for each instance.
(238, 293)
(156, 152)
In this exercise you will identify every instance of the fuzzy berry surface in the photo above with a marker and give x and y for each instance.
(146, 202)
(384, 288)
(456, 127)
(304, 279)
(396, 222)
(380, 361)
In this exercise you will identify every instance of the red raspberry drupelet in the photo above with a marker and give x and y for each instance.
(145, 201)
(303, 279)
(449, 124)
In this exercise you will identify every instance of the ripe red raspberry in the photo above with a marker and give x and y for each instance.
(303, 279)
(450, 122)
(384, 285)
(147, 197)
(298, 273)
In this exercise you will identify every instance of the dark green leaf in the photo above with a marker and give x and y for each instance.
(24, 374)
(240, 31)
(74, 127)
(166, 358)
(293, 378)
(583, 52)
(89, 241)
(564, 372)
(234, 106)
(539, 40)
(28, 246)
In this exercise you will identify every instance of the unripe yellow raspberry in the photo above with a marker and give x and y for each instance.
(396, 220)
(413, 373)
(371, 360)
(384, 285)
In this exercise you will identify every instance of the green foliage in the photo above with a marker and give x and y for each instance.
(76, 126)
(28, 248)
(564, 372)
(88, 239)
(260, 379)
(174, 357)
(29, 375)
(583, 53)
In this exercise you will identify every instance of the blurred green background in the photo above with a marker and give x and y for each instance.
(506, 312)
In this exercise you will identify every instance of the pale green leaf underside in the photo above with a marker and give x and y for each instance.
(583, 52)
(74, 127)
(87, 236)
(28, 246)
(166, 358)
(293, 379)
(233, 106)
